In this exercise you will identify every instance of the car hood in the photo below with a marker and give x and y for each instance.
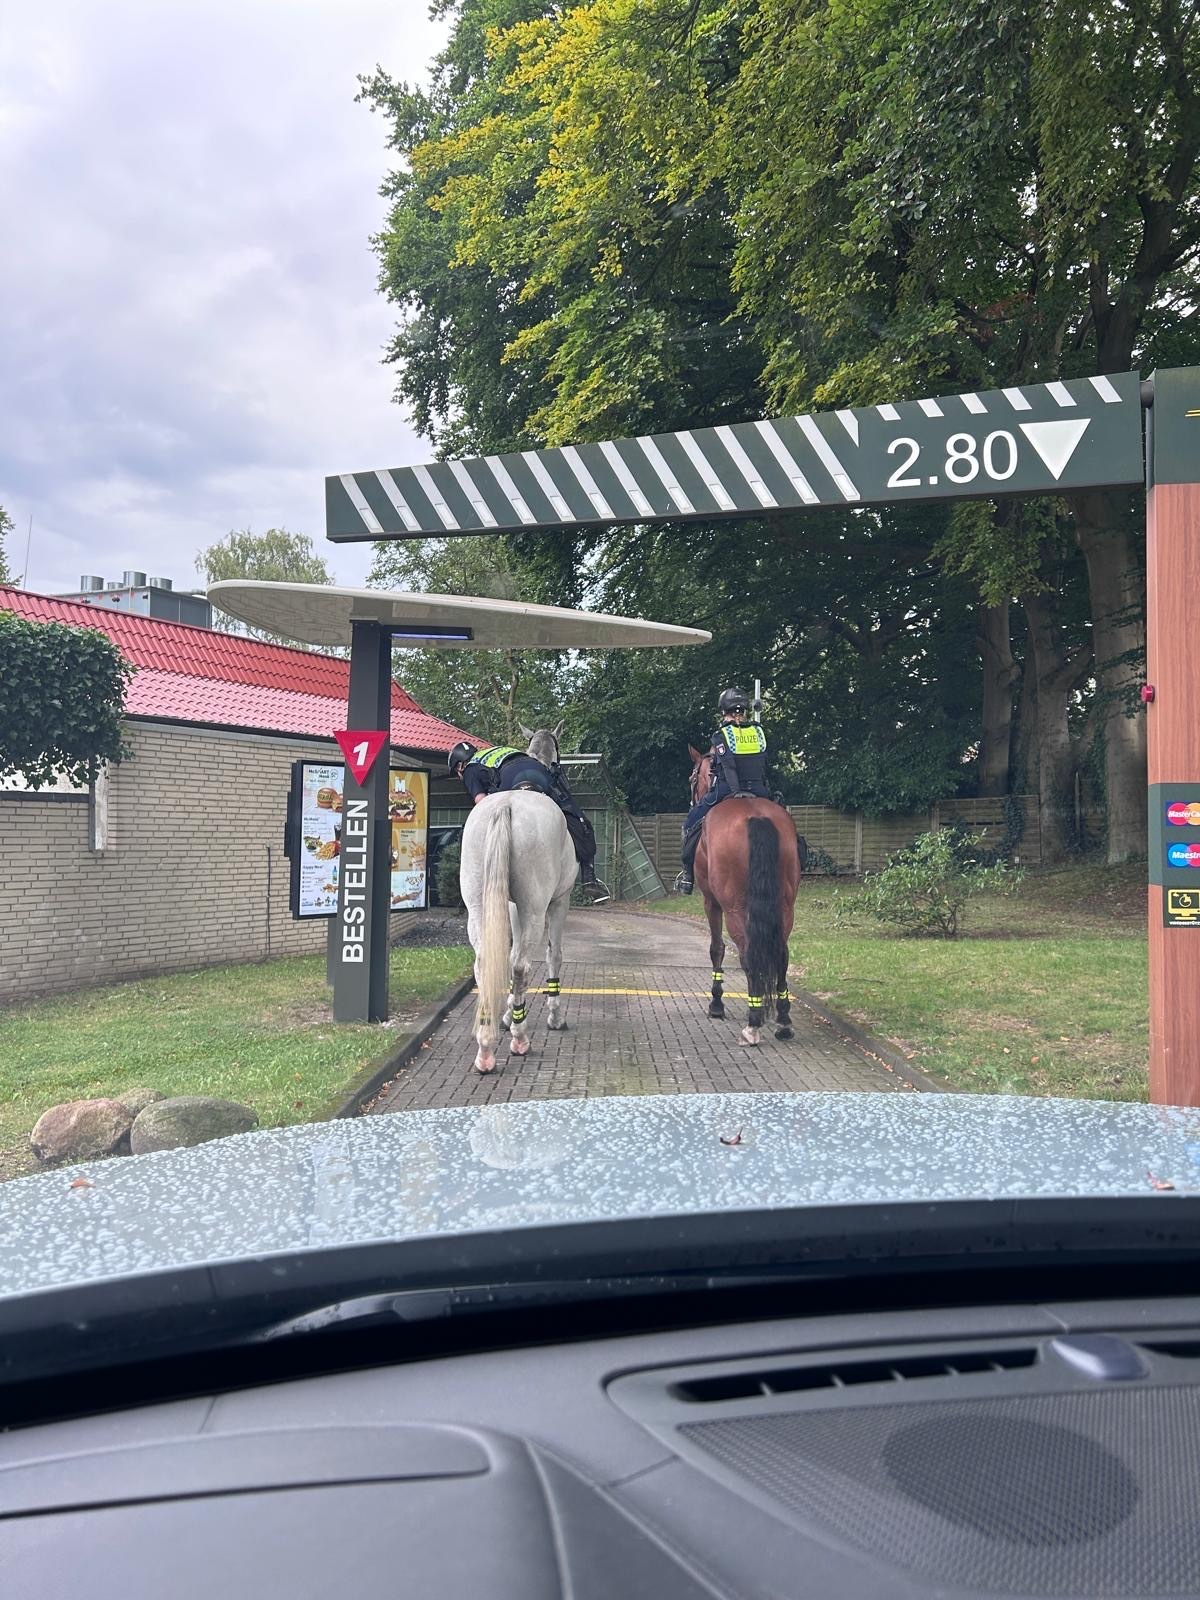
(422, 1174)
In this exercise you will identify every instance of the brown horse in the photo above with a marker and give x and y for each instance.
(748, 870)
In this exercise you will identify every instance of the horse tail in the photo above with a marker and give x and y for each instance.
(495, 945)
(764, 926)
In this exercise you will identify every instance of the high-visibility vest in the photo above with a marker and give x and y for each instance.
(742, 751)
(494, 756)
(749, 741)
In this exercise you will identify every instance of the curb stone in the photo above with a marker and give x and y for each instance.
(386, 1067)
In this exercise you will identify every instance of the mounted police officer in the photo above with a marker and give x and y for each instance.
(498, 769)
(739, 766)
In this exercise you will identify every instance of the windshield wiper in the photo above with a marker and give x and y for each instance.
(426, 1305)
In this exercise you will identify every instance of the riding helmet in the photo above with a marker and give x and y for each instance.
(733, 700)
(463, 751)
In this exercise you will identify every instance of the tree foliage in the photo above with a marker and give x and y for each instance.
(857, 636)
(275, 556)
(631, 215)
(5, 529)
(488, 692)
(62, 692)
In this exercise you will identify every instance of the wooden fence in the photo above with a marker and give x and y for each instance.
(857, 843)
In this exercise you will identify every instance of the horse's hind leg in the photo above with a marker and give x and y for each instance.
(716, 954)
(523, 947)
(487, 1033)
(783, 999)
(515, 924)
(556, 920)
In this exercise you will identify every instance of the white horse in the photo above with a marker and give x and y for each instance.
(516, 875)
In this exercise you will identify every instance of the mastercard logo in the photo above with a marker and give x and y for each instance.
(1184, 814)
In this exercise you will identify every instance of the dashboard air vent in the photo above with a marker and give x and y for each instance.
(841, 1374)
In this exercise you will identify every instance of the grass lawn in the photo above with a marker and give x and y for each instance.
(1043, 993)
(262, 1035)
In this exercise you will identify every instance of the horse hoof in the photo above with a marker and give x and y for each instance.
(485, 1064)
(751, 1036)
(783, 1033)
(518, 1047)
(718, 1012)
(557, 1027)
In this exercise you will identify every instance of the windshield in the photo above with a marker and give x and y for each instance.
(578, 639)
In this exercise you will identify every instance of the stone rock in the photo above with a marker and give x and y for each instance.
(80, 1130)
(135, 1100)
(186, 1120)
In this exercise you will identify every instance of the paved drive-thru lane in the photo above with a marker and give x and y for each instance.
(635, 989)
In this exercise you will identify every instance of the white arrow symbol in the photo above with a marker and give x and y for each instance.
(1055, 441)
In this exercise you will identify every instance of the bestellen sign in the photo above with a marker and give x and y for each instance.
(354, 879)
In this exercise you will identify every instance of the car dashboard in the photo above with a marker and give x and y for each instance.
(1042, 1449)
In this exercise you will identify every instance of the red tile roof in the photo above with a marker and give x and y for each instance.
(188, 674)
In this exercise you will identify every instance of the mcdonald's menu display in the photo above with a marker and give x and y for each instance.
(315, 837)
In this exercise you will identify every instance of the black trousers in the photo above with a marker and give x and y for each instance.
(527, 773)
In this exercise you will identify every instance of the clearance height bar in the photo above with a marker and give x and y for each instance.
(1038, 438)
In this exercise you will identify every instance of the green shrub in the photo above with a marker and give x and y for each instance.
(925, 889)
(820, 863)
(448, 889)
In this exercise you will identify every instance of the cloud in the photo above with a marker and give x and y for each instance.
(191, 335)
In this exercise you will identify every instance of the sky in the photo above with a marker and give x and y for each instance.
(191, 336)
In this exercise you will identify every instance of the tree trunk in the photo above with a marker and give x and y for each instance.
(999, 675)
(1056, 680)
(1025, 763)
(1116, 583)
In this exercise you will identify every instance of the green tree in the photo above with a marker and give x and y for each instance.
(62, 692)
(640, 213)
(489, 692)
(599, 302)
(1014, 200)
(6, 524)
(857, 635)
(553, 287)
(275, 556)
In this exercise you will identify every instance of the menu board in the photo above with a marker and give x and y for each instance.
(408, 814)
(315, 837)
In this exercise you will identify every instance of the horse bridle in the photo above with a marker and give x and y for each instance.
(694, 780)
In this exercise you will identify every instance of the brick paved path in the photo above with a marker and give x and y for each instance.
(657, 1040)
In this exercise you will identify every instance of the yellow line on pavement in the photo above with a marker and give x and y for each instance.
(663, 994)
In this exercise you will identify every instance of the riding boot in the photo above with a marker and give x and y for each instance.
(596, 891)
(685, 882)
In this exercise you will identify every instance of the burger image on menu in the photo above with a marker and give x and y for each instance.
(402, 807)
(328, 799)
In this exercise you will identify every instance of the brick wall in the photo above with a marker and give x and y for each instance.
(195, 835)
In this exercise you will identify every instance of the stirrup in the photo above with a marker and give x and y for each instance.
(596, 891)
(684, 883)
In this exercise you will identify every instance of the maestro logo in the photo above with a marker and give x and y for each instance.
(1183, 855)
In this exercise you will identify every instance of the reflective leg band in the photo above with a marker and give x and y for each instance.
(518, 1014)
(753, 1000)
(552, 986)
(783, 994)
(718, 977)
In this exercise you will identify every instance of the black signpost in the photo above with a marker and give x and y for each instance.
(358, 949)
